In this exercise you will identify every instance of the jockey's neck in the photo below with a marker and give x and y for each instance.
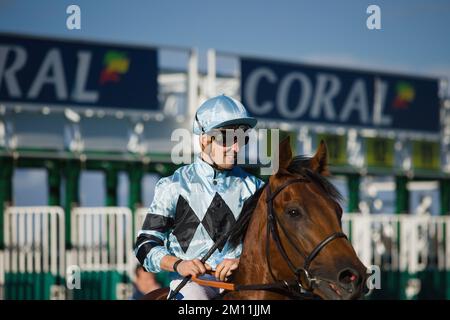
(207, 158)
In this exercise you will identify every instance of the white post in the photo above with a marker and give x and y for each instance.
(2, 276)
(211, 76)
(447, 243)
(29, 242)
(54, 250)
(361, 238)
(192, 82)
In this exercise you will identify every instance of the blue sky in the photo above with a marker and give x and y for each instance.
(414, 37)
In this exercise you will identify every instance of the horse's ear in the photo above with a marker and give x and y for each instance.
(319, 163)
(285, 153)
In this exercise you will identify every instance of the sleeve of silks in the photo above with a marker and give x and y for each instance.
(233, 253)
(259, 184)
(150, 244)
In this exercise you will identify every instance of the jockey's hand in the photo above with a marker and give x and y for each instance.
(192, 268)
(225, 268)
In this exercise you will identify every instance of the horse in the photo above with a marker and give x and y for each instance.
(293, 246)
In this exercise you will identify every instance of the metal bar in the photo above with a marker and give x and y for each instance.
(53, 244)
(104, 246)
(54, 183)
(444, 186)
(119, 240)
(61, 247)
(21, 241)
(29, 246)
(129, 243)
(7, 239)
(45, 242)
(111, 241)
(353, 181)
(135, 174)
(96, 240)
(402, 195)
(211, 75)
(37, 242)
(5, 194)
(192, 83)
(72, 174)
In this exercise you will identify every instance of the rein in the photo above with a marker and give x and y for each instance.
(303, 284)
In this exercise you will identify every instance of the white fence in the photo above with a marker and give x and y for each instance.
(400, 242)
(34, 239)
(103, 238)
(139, 219)
(34, 244)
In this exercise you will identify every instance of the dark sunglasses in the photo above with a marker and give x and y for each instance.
(226, 137)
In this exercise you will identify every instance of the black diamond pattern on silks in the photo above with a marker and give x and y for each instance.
(218, 220)
(186, 223)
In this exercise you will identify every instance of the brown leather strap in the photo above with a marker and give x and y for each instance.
(213, 283)
(285, 287)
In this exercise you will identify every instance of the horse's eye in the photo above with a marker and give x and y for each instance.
(293, 212)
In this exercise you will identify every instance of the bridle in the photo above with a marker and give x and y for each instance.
(303, 280)
(303, 284)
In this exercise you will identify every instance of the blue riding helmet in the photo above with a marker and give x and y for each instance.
(219, 112)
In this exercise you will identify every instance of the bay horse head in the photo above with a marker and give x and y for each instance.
(292, 236)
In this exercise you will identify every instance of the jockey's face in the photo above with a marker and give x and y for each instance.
(223, 145)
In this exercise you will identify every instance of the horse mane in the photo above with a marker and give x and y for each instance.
(298, 165)
(243, 221)
(301, 165)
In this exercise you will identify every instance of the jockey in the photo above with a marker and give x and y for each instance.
(200, 202)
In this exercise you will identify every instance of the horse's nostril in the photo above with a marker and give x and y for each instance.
(348, 276)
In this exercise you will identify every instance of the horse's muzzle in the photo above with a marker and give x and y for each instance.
(350, 282)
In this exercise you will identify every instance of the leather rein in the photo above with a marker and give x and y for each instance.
(303, 284)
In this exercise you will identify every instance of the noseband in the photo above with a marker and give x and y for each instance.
(304, 280)
(304, 283)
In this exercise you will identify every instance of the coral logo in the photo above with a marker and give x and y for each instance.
(116, 64)
(405, 95)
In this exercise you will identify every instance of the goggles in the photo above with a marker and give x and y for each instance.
(226, 137)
